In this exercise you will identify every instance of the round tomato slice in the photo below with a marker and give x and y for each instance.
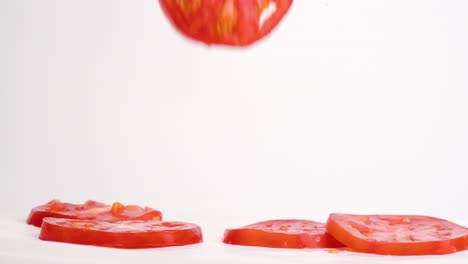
(120, 234)
(225, 22)
(91, 210)
(282, 234)
(397, 234)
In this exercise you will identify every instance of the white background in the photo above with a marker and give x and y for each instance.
(348, 106)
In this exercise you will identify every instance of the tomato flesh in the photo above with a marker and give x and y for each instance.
(91, 210)
(282, 234)
(398, 234)
(120, 234)
(225, 22)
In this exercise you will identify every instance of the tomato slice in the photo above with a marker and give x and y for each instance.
(225, 22)
(398, 234)
(282, 234)
(91, 210)
(120, 234)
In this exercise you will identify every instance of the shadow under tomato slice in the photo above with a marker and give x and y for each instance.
(282, 234)
(91, 210)
(225, 22)
(398, 234)
(120, 234)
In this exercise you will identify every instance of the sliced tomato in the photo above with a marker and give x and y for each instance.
(282, 234)
(91, 210)
(397, 234)
(120, 234)
(225, 22)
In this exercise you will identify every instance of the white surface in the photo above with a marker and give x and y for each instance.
(349, 106)
(20, 246)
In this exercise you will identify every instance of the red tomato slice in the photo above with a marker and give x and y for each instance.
(120, 234)
(91, 210)
(282, 234)
(225, 22)
(398, 234)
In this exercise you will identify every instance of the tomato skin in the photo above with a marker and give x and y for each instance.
(224, 22)
(91, 210)
(120, 234)
(402, 235)
(282, 234)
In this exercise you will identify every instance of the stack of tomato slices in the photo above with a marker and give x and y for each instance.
(131, 226)
(377, 234)
(116, 225)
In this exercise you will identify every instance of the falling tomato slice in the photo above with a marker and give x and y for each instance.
(282, 234)
(91, 210)
(398, 234)
(225, 22)
(120, 234)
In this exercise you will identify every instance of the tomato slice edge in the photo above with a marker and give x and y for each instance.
(313, 235)
(338, 227)
(90, 210)
(121, 234)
